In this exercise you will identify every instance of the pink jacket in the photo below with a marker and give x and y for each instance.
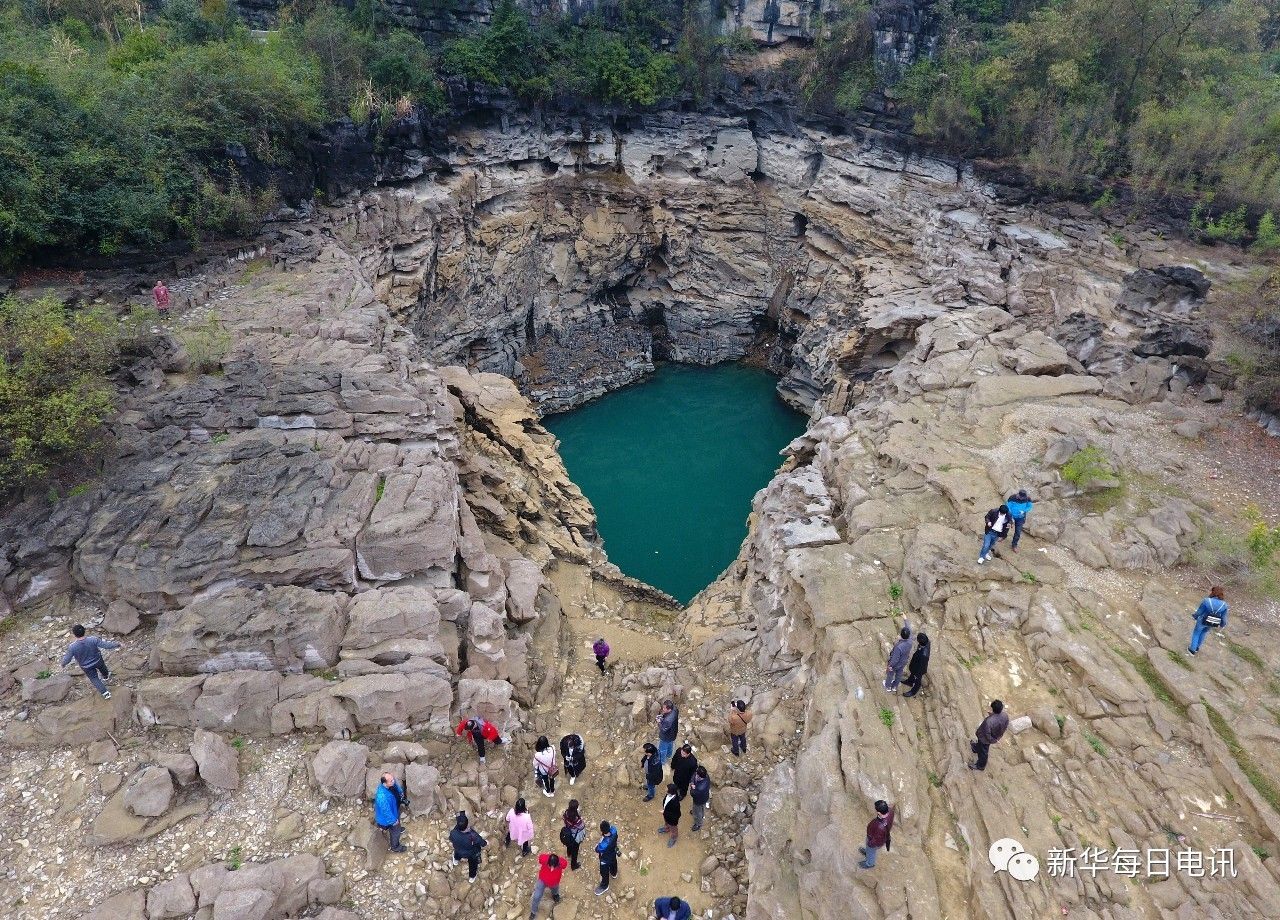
(520, 827)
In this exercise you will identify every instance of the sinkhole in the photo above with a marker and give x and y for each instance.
(671, 464)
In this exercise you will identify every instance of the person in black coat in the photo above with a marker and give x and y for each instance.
(671, 815)
(467, 845)
(919, 665)
(682, 767)
(652, 766)
(573, 754)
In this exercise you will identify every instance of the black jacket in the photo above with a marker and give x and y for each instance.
(920, 660)
(700, 790)
(682, 769)
(466, 843)
(671, 809)
(574, 759)
(652, 769)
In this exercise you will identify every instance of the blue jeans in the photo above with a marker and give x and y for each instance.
(870, 860)
(650, 789)
(892, 679)
(739, 743)
(1197, 635)
(96, 673)
(539, 888)
(988, 543)
(665, 750)
(1017, 530)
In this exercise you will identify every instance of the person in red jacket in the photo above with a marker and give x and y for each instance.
(548, 877)
(480, 730)
(878, 836)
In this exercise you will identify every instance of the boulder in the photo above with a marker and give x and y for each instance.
(168, 700)
(182, 767)
(243, 904)
(217, 761)
(422, 786)
(396, 702)
(101, 752)
(490, 699)
(121, 618)
(524, 579)
(51, 689)
(389, 625)
(238, 701)
(149, 793)
(173, 898)
(339, 768)
(128, 905)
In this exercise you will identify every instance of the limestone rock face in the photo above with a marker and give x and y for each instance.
(339, 767)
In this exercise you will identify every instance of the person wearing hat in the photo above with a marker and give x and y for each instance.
(467, 845)
(1019, 505)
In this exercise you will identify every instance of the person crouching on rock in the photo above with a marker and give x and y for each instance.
(467, 845)
(671, 909)
(997, 528)
(600, 649)
(919, 665)
(1211, 614)
(87, 652)
(651, 764)
(387, 802)
(574, 754)
(671, 815)
(739, 720)
(879, 834)
(520, 827)
(480, 730)
(549, 875)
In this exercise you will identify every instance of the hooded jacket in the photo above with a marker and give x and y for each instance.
(920, 659)
(607, 848)
(899, 654)
(738, 721)
(574, 758)
(488, 731)
(652, 768)
(662, 909)
(700, 790)
(466, 844)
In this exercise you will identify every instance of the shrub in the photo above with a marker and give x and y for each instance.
(207, 344)
(54, 392)
(1266, 238)
(1086, 466)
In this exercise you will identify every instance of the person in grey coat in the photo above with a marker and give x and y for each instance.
(898, 658)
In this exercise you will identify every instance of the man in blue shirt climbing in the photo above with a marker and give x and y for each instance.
(87, 652)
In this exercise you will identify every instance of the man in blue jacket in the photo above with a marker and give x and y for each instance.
(1019, 505)
(671, 909)
(386, 810)
(607, 850)
(87, 652)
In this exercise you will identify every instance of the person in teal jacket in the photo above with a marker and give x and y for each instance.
(1020, 505)
(1211, 614)
(387, 801)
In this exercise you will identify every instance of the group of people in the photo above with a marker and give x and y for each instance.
(1011, 516)
(689, 779)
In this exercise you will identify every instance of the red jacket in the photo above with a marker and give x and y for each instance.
(878, 829)
(488, 731)
(548, 876)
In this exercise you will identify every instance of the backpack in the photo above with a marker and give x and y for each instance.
(566, 836)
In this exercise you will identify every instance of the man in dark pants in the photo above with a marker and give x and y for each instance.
(607, 850)
(668, 730)
(682, 767)
(671, 909)
(87, 652)
(387, 801)
(467, 845)
(989, 732)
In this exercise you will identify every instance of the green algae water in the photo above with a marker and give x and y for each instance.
(671, 465)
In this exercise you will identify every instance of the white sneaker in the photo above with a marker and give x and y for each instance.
(550, 795)
(471, 880)
(482, 760)
(106, 694)
(981, 559)
(453, 864)
(572, 780)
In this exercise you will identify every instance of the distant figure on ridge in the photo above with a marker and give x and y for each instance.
(651, 763)
(668, 730)
(997, 528)
(87, 652)
(919, 665)
(671, 909)
(1211, 614)
(519, 827)
(600, 649)
(161, 295)
(467, 845)
(1020, 506)
(607, 850)
(549, 875)
(739, 720)
(989, 732)
(545, 767)
(879, 834)
(898, 656)
(682, 767)
(573, 833)
(480, 730)
(700, 793)
(671, 815)
(574, 754)
(388, 799)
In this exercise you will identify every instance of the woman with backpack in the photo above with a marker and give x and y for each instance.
(573, 833)
(520, 827)
(1211, 614)
(545, 767)
(574, 753)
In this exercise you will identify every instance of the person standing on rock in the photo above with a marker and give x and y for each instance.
(600, 649)
(607, 850)
(387, 801)
(1020, 506)
(574, 754)
(520, 827)
(671, 815)
(997, 528)
(545, 767)
(480, 730)
(668, 730)
(1211, 614)
(160, 293)
(739, 719)
(898, 656)
(683, 766)
(700, 793)
(651, 764)
(467, 845)
(671, 909)
(573, 833)
(919, 665)
(549, 875)
(879, 834)
(989, 732)
(87, 652)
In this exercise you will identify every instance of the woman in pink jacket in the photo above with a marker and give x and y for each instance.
(520, 827)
